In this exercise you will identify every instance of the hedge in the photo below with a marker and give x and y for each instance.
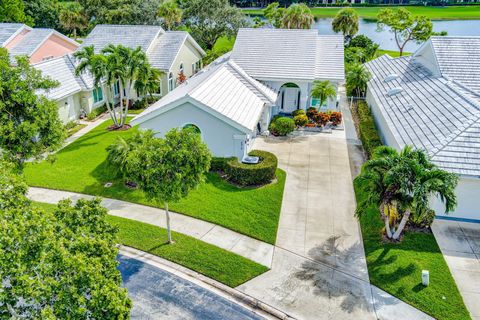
(368, 130)
(219, 164)
(253, 174)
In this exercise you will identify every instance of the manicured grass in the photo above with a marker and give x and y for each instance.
(211, 261)
(137, 111)
(224, 44)
(75, 129)
(82, 167)
(435, 13)
(393, 54)
(396, 268)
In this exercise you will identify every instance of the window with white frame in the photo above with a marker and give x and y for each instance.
(171, 82)
(116, 88)
(181, 68)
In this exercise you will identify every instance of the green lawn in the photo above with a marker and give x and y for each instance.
(393, 54)
(216, 263)
(135, 111)
(82, 167)
(436, 13)
(75, 129)
(224, 44)
(396, 268)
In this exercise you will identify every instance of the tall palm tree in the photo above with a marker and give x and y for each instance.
(148, 81)
(73, 20)
(399, 182)
(357, 77)
(323, 90)
(298, 16)
(346, 22)
(170, 13)
(97, 66)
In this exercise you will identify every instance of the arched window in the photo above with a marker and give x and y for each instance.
(181, 67)
(171, 83)
(192, 127)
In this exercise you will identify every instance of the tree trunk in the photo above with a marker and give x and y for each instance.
(401, 226)
(169, 232)
(386, 219)
(107, 103)
(120, 85)
(129, 89)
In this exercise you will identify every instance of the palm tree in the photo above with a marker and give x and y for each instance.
(170, 13)
(148, 81)
(274, 14)
(298, 16)
(399, 182)
(96, 65)
(73, 20)
(346, 22)
(323, 90)
(357, 77)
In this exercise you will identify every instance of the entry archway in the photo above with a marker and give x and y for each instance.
(289, 97)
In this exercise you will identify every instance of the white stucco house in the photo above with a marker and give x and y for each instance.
(431, 100)
(231, 101)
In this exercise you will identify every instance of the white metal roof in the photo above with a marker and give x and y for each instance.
(432, 113)
(224, 90)
(266, 54)
(63, 70)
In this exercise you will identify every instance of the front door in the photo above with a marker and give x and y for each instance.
(290, 99)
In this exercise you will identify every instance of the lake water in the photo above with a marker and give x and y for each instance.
(386, 39)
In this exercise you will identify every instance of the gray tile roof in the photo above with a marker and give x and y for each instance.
(459, 59)
(28, 44)
(431, 113)
(63, 70)
(7, 30)
(288, 54)
(131, 36)
(165, 49)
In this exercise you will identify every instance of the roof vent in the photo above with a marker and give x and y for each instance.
(394, 91)
(391, 77)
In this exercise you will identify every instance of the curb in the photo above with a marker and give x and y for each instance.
(232, 294)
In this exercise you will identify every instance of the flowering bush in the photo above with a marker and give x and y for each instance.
(301, 120)
(311, 112)
(322, 118)
(335, 118)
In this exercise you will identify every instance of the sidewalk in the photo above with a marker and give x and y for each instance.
(224, 238)
(90, 126)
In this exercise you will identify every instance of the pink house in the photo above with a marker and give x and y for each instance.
(38, 44)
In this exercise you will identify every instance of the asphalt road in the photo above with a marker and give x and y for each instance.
(157, 294)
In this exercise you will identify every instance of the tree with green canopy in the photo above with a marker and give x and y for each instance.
(404, 26)
(398, 183)
(14, 11)
(298, 16)
(29, 122)
(73, 20)
(60, 264)
(168, 169)
(323, 90)
(274, 14)
(45, 13)
(170, 13)
(210, 20)
(346, 22)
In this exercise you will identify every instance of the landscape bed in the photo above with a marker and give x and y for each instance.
(209, 260)
(82, 167)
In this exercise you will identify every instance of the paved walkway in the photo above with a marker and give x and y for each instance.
(460, 245)
(90, 125)
(247, 247)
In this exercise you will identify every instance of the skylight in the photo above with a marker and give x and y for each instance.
(394, 91)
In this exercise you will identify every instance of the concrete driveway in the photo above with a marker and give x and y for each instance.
(460, 245)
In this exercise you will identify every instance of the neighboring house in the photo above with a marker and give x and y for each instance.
(75, 94)
(35, 43)
(233, 99)
(431, 100)
(172, 52)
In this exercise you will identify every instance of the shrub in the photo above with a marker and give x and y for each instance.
(70, 125)
(219, 164)
(139, 104)
(96, 112)
(301, 120)
(311, 112)
(283, 126)
(298, 112)
(322, 118)
(368, 130)
(253, 174)
(335, 118)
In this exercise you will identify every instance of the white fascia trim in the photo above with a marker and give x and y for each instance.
(41, 43)
(195, 44)
(23, 27)
(176, 55)
(250, 80)
(143, 118)
(150, 46)
(61, 35)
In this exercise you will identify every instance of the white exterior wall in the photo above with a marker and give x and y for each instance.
(468, 200)
(69, 108)
(222, 139)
